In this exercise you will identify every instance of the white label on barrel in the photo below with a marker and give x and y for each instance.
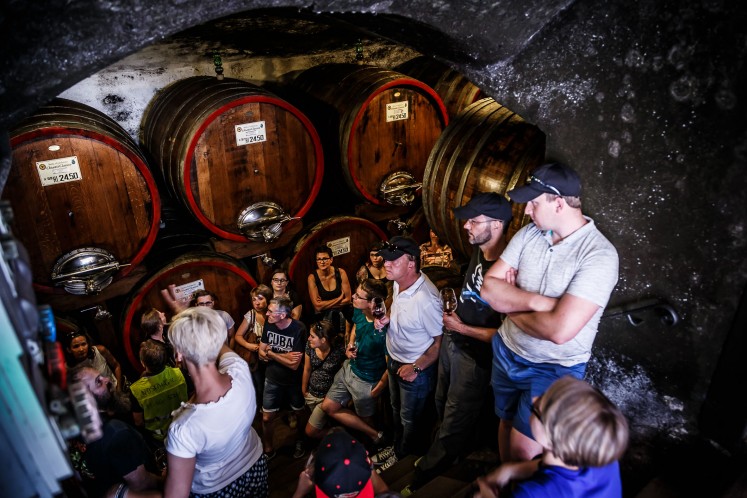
(339, 246)
(396, 111)
(62, 170)
(251, 133)
(184, 292)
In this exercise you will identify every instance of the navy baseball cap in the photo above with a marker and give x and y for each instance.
(490, 204)
(398, 246)
(551, 178)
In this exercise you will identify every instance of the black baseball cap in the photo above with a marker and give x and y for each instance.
(398, 246)
(490, 204)
(342, 467)
(551, 178)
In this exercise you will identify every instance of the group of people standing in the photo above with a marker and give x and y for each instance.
(524, 325)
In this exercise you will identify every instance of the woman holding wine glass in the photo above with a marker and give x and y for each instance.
(363, 377)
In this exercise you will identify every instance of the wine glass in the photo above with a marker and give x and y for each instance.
(378, 309)
(448, 300)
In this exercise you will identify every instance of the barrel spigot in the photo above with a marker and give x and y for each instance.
(218, 63)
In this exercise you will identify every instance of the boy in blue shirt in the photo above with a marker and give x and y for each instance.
(582, 435)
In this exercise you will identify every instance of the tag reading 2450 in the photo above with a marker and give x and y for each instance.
(56, 171)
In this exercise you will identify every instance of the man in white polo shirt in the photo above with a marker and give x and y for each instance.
(413, 342)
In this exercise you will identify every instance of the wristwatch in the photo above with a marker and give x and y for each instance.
(416, 368)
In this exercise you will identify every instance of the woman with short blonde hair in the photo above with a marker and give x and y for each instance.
(209, 451)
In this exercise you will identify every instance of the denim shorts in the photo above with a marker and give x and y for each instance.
(347, 386)
(276, 397)
(517, 381)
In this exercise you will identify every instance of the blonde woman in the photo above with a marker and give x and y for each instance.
(209, 451)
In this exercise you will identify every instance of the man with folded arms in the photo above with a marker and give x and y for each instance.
(552, 281)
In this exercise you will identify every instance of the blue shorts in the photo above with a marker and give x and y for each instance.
(276, 397)
(517, 381)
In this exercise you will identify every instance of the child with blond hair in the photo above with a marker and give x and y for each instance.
(583, 435)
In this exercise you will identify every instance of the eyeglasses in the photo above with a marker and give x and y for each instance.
(281, 280)
(270, 312)
(206, 303)
(322, 260)
(356, 296)
(533, 178)
(535, 409)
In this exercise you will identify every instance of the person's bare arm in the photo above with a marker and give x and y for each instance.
(427, 359)
(291, 359)
(507, 298)
(379, 486)
(316, 300)
(455, 324)
(381, 385)
(491, 484)
(142, 480)
(179, 478)
(351, 342)
(306, 375)
(169, 297)
(296, 312)
(113, 364)
(559, 325)
(305, 485)
(320, 305)
(239, 336)
(263, 349)
(347, 294)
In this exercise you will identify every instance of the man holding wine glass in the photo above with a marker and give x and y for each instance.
(413, 341)
(469, 324)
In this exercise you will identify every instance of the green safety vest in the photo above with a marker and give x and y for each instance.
(159, 395)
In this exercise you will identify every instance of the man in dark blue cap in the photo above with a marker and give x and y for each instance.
(466, 356)
(552, 282)
(413, 340)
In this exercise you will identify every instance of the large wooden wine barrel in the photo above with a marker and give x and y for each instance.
(488, 148)
(350, 239)
(453, 87)
(78, 181)
(387, 124)
(226, 145)
(444, 277)
(226, 277)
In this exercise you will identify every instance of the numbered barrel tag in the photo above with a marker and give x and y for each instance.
(62, 170)
(339, 246)
(251, 133)
(396, 111)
